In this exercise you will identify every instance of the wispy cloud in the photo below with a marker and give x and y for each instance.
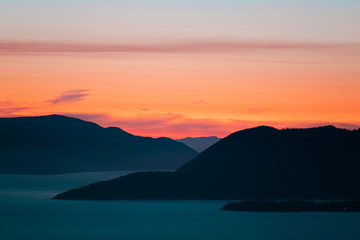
(70, 96)
(9, 109)
(157, 125)
(179, 126)
(22, 47)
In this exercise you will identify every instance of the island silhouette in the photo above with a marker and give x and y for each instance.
(58, 144)
(256, 163)
(293, 206)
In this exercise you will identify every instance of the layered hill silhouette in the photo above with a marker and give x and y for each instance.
(59, 144)
(199, 144)
(257, 163)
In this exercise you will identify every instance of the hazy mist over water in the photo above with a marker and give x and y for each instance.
(26, 212)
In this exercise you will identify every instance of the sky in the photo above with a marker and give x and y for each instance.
(182, 68)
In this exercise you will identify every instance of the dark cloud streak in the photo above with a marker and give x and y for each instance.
(9, 111)
(70, 96)
(19, 47)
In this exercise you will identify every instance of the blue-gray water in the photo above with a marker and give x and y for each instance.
(26, 212)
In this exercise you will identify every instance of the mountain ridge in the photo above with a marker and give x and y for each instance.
(59, 144)
(256, 163)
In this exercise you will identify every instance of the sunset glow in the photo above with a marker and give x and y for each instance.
(182, 69)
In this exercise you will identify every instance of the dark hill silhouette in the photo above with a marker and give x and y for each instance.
(199, 144)
(59, 144)
(257, 163)
(293, 206)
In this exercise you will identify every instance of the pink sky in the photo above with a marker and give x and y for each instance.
(182, 69)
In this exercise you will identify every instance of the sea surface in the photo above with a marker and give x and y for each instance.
(27, 212)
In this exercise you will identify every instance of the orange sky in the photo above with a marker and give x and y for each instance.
(179, 88)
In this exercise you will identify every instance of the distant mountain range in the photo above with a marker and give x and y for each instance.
(200, 143)
(59, 144)
(257, 163)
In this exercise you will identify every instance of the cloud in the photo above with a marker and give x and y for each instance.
(179, 126)
(8, 109)
(159, 125)
(70, 96)
(23, 47)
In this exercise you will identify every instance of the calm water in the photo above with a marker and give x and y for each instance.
(26, 212)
